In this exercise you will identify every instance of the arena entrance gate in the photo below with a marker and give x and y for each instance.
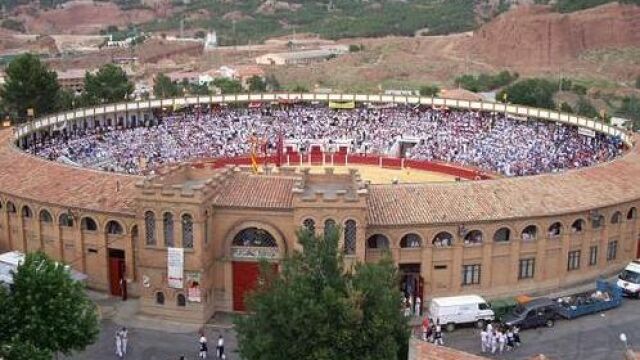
(411, 282)
(116, 271)
(250, 245)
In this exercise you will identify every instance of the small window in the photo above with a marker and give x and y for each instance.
(150, 228)
(411, 241)
(114, 228)
(471, 274)
(26, 212)
(473, 237)
(597, 222)
(377, 241)
(350, 235)
(167, 225)
(88, 224)
(483, 306)
(45, 216)
(329, 227)
(555, 230)
(612, 250)
(181, 300)
(11, 208)
(577, 226)
(527, 268)
(309, 224)
(187, 231)
(502, 235)
(65, 220)
(443, 239)
(440, 267)
(530, 233)
(573, 262)
(617, 216)
(593, 255)
(632, 213)
(160, 298)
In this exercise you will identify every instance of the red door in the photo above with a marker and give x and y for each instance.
(638, 251)
(116, 267)
(245, 278)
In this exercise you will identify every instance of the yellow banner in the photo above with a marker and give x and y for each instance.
(342, 104)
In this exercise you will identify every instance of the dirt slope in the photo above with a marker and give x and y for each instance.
(534, 36)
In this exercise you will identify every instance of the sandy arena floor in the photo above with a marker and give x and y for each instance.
(378, 175)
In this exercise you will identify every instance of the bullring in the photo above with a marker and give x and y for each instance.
(579, 224)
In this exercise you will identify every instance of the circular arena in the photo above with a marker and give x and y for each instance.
(181, 197)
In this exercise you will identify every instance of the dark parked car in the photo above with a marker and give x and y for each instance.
(535, 313)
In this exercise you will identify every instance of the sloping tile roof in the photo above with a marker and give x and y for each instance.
(421, 350)
(256, 191)
(574, 191)
(29, 177)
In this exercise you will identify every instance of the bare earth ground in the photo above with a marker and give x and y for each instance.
(379, 175)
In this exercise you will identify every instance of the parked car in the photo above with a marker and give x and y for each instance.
(455, 310)
(629, 279)
(535, 313)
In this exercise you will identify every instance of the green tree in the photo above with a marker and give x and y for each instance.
(299, 89)
(531, 92)
(66, 100)
(164, 88)
(46, 310)
(272, 82)
(316, 309)
(585, 108)
(630, 109)
(228, 86)
(109, 85)
(257, 84)
(638, 82)
(429, 90)
(29, 85)
(564, 107)
(198, 89)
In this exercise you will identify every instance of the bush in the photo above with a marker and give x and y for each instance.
(14, 25)
(355, 48)
(429, 90)
(531, 92)
(564, 107)
(485, 82)
(638, 82)
(585, 108)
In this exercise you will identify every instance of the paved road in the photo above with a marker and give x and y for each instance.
(156, 345)
(592, 337)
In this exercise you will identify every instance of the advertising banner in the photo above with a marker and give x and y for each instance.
(175, 267)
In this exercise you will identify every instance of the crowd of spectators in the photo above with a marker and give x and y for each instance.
(487, 141)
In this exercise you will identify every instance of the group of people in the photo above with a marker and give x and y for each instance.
(204, 349)
(122, 340)
(488, 141)
(122, 336)
(499, 339)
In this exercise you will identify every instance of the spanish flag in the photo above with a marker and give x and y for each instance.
(254, 162)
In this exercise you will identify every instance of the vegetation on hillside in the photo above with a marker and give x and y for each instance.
(485, 82)
(330, 19)
(566, 6)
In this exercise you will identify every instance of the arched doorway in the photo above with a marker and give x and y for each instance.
(249, 245)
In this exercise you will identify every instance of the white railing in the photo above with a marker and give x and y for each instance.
(517, 110)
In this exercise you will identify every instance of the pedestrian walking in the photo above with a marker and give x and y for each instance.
(502, 339)
(124, 335)
(509, 334)
(118, 344)
(418, 311)
(203, 347)
(410, 302)
(484, 340)
(220, 347)
(494, 342)
(438, 334)
(425, 328)
(516, 336)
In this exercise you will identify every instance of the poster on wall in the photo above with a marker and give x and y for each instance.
(175, 267)
(193, 286)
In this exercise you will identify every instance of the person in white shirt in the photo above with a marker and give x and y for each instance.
(484, 340)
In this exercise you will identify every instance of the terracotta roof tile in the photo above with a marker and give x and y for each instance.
(426, 351)
(256, 191)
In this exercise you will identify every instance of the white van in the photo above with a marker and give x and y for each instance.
(629, 279)
(454, 310)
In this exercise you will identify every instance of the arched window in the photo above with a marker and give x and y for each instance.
(329, 226)
(181, 300)
(187, 231)
(45, 216)
(309, 224)
(150, 228)
(597, 222)
(114, 228)
(632, 213)
(442, 239)
(411, 241)
(65, 220)
(617, 216)
(26, 212)
(254, 237)
(167, 226)
(473, 237)
(378, 241)
(555, 230)
(530, 233)
(502, 235)
(578, 226)
(11, 208)
(88, 224)
(160, 298)
(350, 237)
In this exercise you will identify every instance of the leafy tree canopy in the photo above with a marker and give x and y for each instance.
(109, 85)
(228, 86)
(315, 309)
(45, 311)
(429, 90)
(163, 87)
(585, 108)
(29, 85)
(531, 92)
(485, 82)
(257, 84)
